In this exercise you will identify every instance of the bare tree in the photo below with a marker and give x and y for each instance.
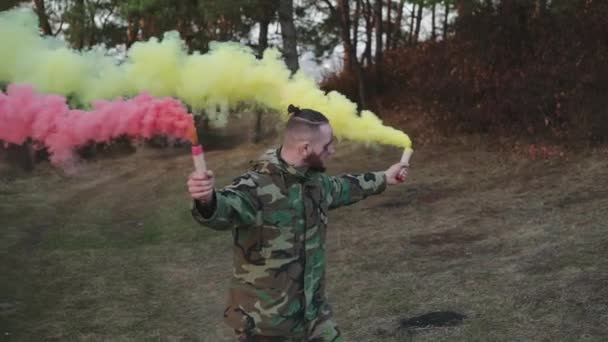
(351, 63)
(79, 24)
(288, 33)
(389, 29)
(43, 18)
(433, 22)
(410, 39)
(263, 36)
(418, 21)
(369, 28)
(378, 19)
(446, 14)
(343, 13)
(398, 23)
(355, 24)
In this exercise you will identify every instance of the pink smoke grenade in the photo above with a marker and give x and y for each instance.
(198, 157)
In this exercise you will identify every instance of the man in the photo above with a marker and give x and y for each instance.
(277, 213)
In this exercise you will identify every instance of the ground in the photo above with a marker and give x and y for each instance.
(518, 246)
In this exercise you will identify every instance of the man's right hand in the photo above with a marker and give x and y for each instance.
(201, 186)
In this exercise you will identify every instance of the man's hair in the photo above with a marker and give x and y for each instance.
(302, 120)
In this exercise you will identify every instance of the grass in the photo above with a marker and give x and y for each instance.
(111, 254)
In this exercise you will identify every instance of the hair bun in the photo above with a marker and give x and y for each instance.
(291, 109)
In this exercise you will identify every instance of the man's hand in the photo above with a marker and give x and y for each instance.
(397, 173)
(201, 186)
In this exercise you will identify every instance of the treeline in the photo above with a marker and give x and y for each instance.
(535, 68)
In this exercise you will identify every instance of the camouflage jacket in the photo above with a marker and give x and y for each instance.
(278, 218)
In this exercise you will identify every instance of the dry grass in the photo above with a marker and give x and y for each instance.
(518, 246)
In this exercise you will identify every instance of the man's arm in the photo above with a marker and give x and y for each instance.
(348, 189)
(231, 207)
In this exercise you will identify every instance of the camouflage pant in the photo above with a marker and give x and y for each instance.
(318, 331)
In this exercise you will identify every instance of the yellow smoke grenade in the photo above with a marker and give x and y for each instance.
(228, 74)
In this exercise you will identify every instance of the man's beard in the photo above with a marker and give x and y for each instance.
(315, 163)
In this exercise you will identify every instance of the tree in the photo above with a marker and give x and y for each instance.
(369, 28)
(197, 21)
(343, 13)
(288, 33)
(398, 35)
(389, 20)
(351, 63)
(418, 21)
(446, 14)
(43, 19)
(355, 28)
(433, 22)
(410, 39)
(379, 31)
(8, 4)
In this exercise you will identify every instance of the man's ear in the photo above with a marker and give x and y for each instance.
(304, 148)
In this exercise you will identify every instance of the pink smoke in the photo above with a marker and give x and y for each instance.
(48, 121)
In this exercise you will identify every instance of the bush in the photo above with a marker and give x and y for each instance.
(509, 71)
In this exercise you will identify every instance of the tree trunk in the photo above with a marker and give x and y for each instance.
(410, 39)
(378, 19)
(288, 33)
(389, 29)
(92, 38)
(146, 24)
(263, 37)
(367, 53)
(398, 24)
(262, 45)
(43, 19)
(418, 22)
(355, 24)
(79, 27)
(184, 29)
(361, 86)
(351, 63)
(445, 18)
(343, 12)
(433, 22)
(132, 30)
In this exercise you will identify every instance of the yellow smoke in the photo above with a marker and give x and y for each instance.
(228, 74)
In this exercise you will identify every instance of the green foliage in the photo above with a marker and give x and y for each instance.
(8, 4)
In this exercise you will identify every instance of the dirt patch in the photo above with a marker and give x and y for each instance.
(451, 236)
(418, 193)
(433, 320)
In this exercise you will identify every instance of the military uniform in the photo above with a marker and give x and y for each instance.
(278, 218)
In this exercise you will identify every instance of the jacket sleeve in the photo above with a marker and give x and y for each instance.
(348, 189)
(233, 206)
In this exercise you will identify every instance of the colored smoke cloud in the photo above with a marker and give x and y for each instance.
(48, 121)
(228, 74)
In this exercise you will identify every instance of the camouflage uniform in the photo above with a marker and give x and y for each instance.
(278, 218)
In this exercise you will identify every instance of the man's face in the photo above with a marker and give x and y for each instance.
(321, 149)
